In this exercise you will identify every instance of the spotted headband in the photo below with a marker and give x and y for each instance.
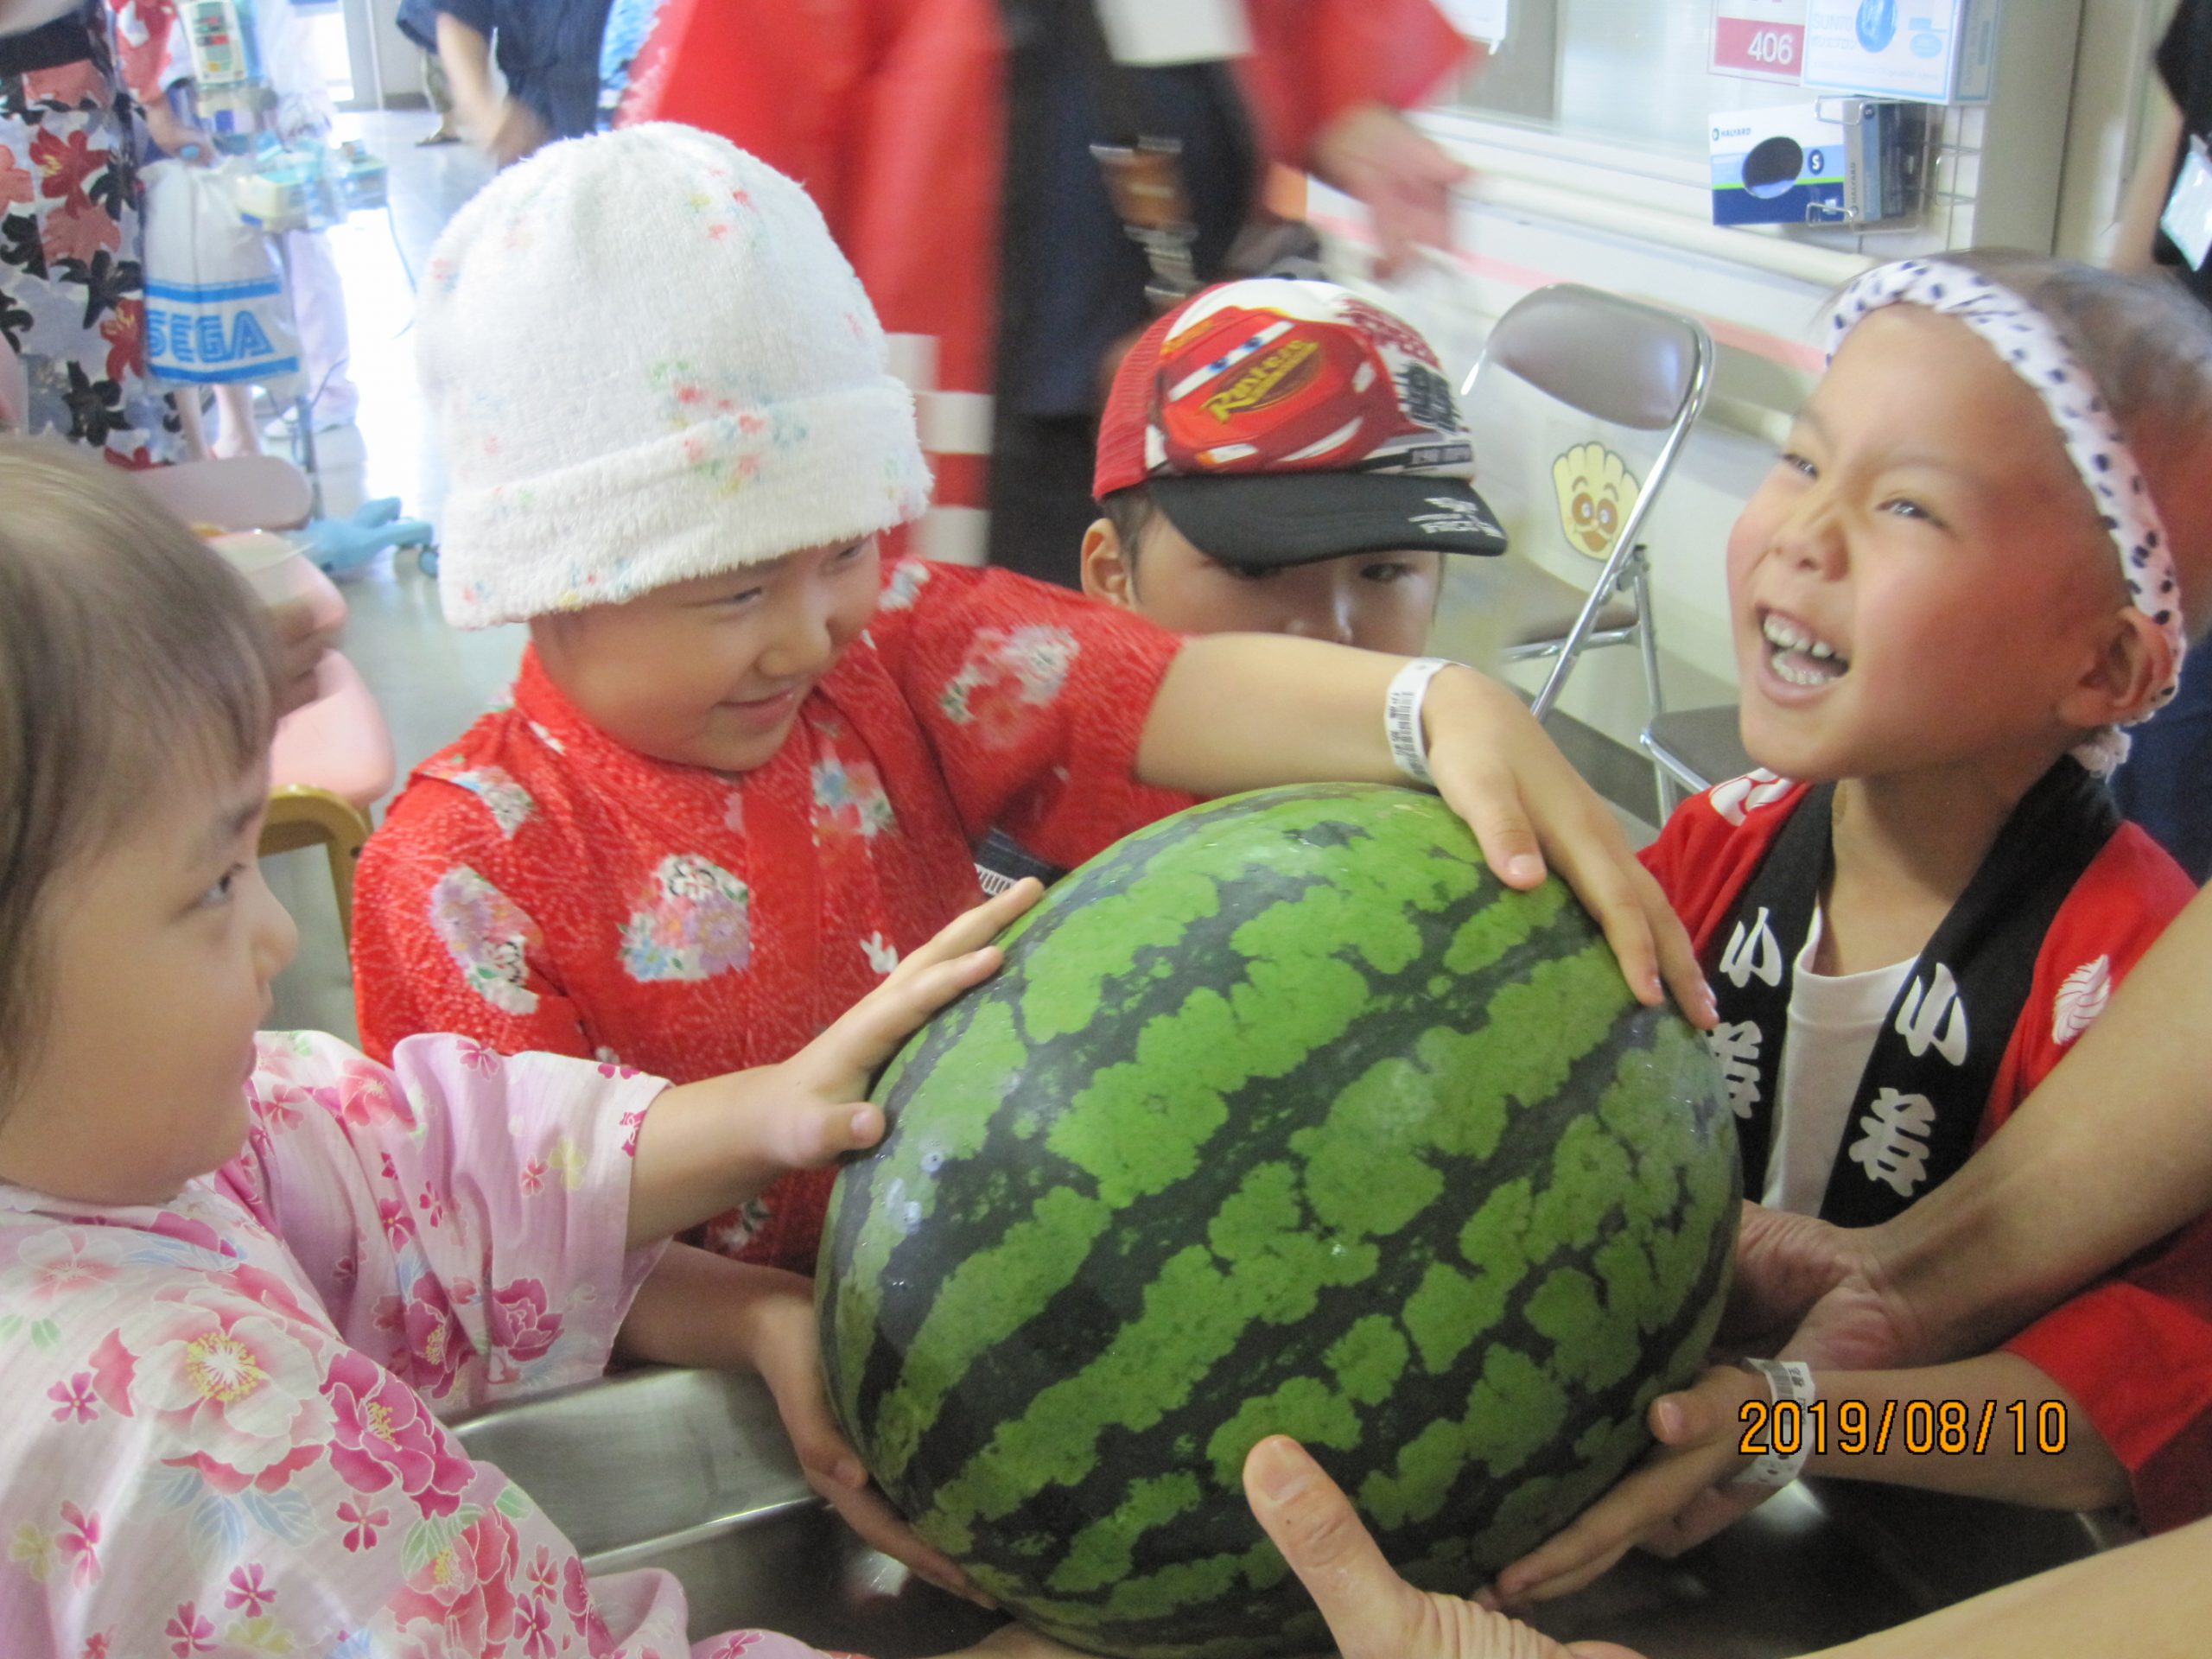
(2030, 343)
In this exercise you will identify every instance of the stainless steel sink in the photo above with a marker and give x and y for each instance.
(689, 1471)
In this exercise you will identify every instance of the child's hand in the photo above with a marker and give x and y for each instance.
(1494, 765)
(837, 1065)
(783, 1346)
(708, 1148)
(1667, 1504)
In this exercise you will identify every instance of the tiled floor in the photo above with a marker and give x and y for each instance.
(431, 680)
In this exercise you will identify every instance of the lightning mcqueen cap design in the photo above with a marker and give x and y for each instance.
(1279, 422)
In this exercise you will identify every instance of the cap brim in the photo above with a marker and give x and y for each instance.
(1274, 520)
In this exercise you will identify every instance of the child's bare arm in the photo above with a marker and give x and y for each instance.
(1241, 711)
(708, 1148)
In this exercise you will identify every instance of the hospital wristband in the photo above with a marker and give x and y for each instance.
(1786, 1379)
(1402, 707)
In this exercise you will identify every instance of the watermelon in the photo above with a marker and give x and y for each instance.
(1284, 1115)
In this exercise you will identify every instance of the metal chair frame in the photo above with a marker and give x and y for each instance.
(1627, 566)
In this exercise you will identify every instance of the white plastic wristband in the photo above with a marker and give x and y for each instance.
(1789, 1383)
(1402, 708)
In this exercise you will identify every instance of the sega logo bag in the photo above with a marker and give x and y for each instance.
(216, 308)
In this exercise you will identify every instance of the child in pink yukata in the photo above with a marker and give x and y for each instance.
(746, 769)
(242, 1277)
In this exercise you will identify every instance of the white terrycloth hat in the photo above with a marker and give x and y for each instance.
(650, 362)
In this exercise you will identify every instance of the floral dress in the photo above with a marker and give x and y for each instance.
(223, 1433)
(72, 274)
(539, 886)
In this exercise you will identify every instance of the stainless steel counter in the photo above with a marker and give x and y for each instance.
(689, 1471)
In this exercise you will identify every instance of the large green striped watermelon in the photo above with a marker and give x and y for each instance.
(1284, 1115)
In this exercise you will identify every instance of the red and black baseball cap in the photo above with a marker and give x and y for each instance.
(1278, 422)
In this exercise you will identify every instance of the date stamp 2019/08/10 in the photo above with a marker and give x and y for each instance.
(1857, 1428)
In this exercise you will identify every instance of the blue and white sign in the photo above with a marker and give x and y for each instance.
(1922, 51)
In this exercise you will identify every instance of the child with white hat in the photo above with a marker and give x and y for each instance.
(745, 768)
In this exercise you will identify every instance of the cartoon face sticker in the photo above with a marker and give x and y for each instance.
(1596, 492)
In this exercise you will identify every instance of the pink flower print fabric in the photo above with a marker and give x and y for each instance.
(1008, 677)
(489, 938)
(849, 799)
(507, 801)
(690, 921)
(216, 1447)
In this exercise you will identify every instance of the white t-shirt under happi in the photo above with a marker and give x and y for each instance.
(1834, 1020)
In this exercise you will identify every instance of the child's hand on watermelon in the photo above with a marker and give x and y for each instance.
(1498, 769)
(707, 1148)
(1240, 711)
(1372, 1613)
(782, 1341)
(1676, 1497)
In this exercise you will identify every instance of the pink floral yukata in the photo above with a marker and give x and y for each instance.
(222, 1432)
(539, 886)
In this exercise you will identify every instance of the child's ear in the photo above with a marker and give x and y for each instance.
(2134, 662)
(1107, 572)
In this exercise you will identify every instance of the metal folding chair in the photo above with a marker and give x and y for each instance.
(1621, 364)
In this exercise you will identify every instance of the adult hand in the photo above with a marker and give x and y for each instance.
(513, 133)
(1810, 1291)
(304, 633)
(175, 136)
(1495, 766)
(781, 1338)
(1403, 177)
(1372, 1613)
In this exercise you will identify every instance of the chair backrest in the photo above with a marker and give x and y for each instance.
(1580, 398)
(1615, 359)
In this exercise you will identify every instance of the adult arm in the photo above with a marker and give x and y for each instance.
(2123, 1128)
(504, 127)
(2154, 182)
(1331, 77)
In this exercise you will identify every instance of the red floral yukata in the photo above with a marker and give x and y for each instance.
(539, 886)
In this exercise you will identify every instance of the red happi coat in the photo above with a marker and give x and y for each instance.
(893, 114)
(2134, 1352)
(539, 886)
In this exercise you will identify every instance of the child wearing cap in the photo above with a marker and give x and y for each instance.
(743, 772)
(1983, 550)
(1283, 457)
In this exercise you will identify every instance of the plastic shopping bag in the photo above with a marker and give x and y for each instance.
(216, 308)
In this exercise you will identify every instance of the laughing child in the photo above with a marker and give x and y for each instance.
(744, 770)
(1982, 553)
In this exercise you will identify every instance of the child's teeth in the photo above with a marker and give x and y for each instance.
(1818, 651)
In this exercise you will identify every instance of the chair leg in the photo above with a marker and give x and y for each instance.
(345, 854)
(1647, 639)
(300, 815)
